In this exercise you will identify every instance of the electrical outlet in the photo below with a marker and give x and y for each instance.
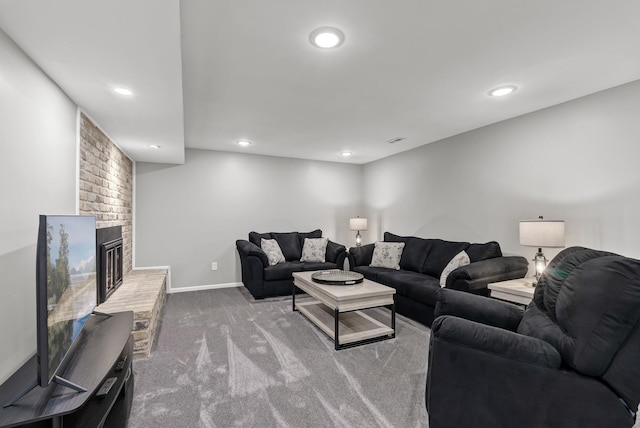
(214, 265)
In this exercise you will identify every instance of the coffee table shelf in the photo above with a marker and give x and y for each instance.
(354, 326)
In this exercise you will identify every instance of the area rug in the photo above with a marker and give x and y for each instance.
(224, 360)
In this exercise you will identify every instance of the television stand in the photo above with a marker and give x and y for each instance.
(104, 343)
(56, 379)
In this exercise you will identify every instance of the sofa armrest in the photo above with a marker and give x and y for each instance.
(360, 256)
(495, 341)
(336, 253)
(478, 275)
(480, 309)
(246, 249)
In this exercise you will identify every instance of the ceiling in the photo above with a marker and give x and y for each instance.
(207, 73)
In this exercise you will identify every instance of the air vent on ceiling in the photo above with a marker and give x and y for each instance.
(395, 140)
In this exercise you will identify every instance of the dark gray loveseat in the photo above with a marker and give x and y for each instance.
(423, 260)
(263, 280)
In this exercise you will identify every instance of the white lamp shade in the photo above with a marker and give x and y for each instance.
(542, 233)
(358, 223)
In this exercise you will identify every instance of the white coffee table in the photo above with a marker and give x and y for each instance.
(336, 309)
(515, 290)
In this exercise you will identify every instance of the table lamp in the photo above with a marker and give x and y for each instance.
(358, 224)
(541, 233)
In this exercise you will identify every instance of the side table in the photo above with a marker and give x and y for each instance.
(518, 291)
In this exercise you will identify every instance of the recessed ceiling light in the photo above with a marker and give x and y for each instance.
(345, 154)
(243, 143)
(502, 91)
(123, 91)
(155, 146)
(326, 37)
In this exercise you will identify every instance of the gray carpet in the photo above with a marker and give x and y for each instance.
(224, 360)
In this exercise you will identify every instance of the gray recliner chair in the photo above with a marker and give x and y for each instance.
(571, 359)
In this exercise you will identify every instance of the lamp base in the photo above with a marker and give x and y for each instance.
(540, 263)
(358, 239)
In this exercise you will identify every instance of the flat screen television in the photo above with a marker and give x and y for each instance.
(66, 293)
(66, 288)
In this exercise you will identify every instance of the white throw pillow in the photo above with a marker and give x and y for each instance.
(273, 251)
(460, 259)
(387, 255)
(314, 250)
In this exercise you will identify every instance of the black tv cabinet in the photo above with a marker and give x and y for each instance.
(102, 343)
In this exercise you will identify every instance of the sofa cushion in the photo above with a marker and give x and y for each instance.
(594, 308)
(369, 272)
(255, 237)
(387, 255)
(313, 234)
(425, 292)
(478, 252)
(459, 260)
(314, 250)
(290, 245)
(361, 255)
(306, 266)
(272, 250)
(414, 252)
(440, 253)
(282, 271)
(404, 281)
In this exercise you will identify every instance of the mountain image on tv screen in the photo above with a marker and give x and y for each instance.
(71, 282)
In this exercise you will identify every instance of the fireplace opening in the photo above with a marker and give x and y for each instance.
(109, 266)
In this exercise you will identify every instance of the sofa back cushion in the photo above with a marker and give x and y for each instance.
(414, 252)
(440, 254)
(586, 305)
(478, 252)
(256, 238)
(289, 244)
(290, 249)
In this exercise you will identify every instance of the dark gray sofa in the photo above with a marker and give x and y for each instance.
(423, 260)
(263, 280)
(571, 359)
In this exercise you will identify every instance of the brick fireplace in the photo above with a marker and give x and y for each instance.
(106, 187)
(106, 192)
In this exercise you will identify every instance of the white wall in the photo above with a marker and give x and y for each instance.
(38, 176)
(578, 161)
(190, 215)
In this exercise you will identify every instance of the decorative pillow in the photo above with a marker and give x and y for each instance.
(314, 250)
(273, 251)
(460, 259)
(387, 255)
(313, 234)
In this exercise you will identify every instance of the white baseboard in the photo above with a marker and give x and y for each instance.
(204, 287)
(171, 290)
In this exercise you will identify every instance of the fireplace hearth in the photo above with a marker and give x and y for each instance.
(109, 266)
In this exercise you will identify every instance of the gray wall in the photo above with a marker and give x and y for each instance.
(577, 161)
(190, 215)
(38, 176)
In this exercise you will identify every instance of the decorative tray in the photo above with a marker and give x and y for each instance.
(337, 277)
